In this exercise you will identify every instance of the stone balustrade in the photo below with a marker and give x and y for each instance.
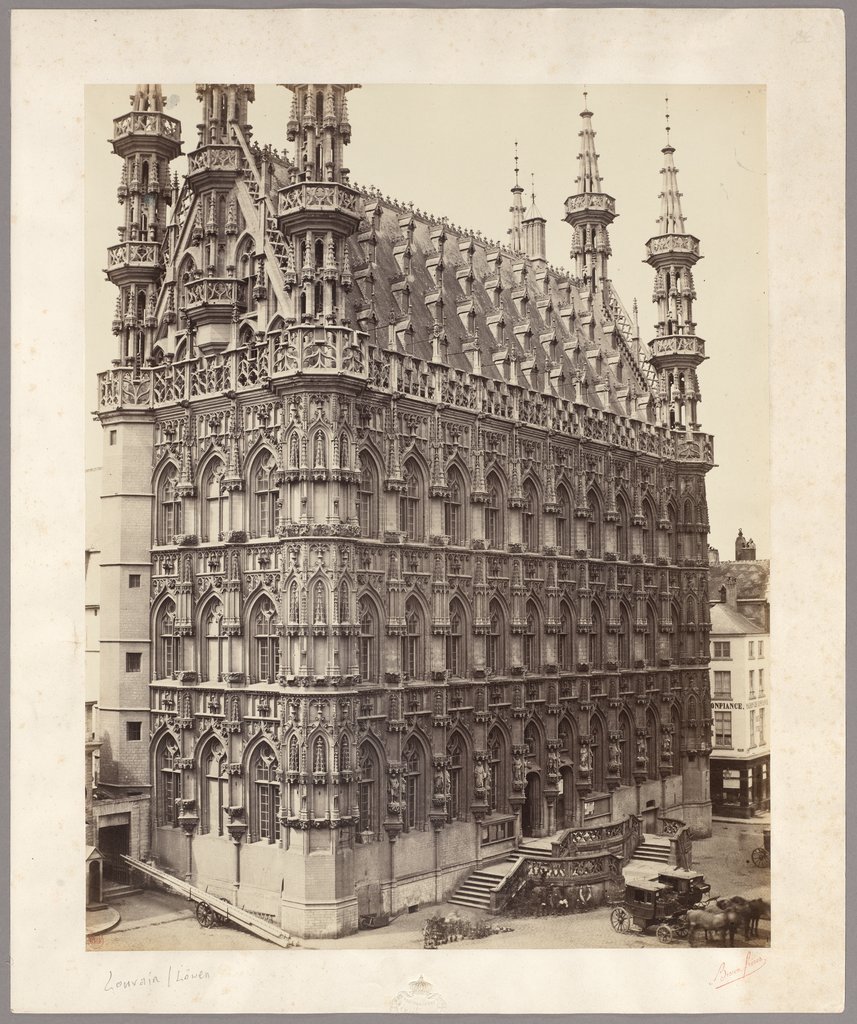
(213, 158)
(133, 254)
(679, 344)
(144, 122)
(321, 196)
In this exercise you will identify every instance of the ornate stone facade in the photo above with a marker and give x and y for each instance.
(427, 557)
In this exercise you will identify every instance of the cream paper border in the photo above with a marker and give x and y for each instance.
(799, 56)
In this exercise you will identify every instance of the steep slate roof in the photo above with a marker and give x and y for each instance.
(726, 621)
(753, 579)
(547, 364)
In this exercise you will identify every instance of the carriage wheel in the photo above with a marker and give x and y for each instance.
(621, 920)
(205, 915)
(682, 930)
(664, 933)
(761, 857)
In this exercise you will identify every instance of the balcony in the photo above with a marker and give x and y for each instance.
(126, 260)
(680, 345)
(213, 167)
(212, 298)
(667, 245)
(162, 133)
(300, 205)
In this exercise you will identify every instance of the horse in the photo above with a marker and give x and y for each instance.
(758, 909)
(725, 921)
(749, 912)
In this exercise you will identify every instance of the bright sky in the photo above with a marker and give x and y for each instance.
(450, 150)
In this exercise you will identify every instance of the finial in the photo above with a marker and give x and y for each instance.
(667, 107)
(516, 163)
(533, 188)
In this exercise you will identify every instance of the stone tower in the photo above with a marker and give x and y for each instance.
(146, 140)
(676, 351)
(590, 212)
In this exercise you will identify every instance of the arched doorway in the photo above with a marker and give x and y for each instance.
(531, 813)
(565, 806)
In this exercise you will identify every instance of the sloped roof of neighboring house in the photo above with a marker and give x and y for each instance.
(727, 621)
(753, 579)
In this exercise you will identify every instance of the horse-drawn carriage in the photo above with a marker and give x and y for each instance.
(761, 856)
(661, 903)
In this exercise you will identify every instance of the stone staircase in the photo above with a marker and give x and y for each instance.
(650, 857)
(475, 891)
(653, 848)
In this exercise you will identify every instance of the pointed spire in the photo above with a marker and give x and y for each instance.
(588, 179)
(533, 212)
(147, 98)
(516, 232)
(671, 220)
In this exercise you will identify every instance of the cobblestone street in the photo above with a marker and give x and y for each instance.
(157, 921)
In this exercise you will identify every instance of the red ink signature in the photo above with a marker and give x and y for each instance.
(727, 975)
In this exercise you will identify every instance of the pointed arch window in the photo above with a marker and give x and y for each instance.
(264, 501)
(344, 755)
(368, 640)
(412, 759)
(169, 506)
(593, 526)
(456, 660)
(676, 645)
(596, 640)
(532, 633)
(495, 652)
(410, 503)
(367, 498)
(529, 518)
(627, 745)
(651, 636)
(453, 508)
(412, 641)
(455, 753)
(214, 790)
(624, 638)
(531, 741)
(368, 801)
(622, 547)
(214, 644)
(565, 639)
(267, 641)
(265, 806)
(563, 521)
(343, 604)
(652, 744)
(566, 738)
(648, 533)
(169, 653)
(599, 754)
(170, 779)
(496, 771)
(494, 513)
(672, 536)
(215, 500)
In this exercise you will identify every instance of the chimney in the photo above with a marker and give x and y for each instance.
(731, 588)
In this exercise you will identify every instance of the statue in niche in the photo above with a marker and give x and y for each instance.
(480, 775)
(585, 758)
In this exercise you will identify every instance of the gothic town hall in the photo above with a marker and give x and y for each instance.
(405, 533)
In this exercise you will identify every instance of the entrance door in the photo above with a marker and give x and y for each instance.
(531, 816)
(113, 841)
